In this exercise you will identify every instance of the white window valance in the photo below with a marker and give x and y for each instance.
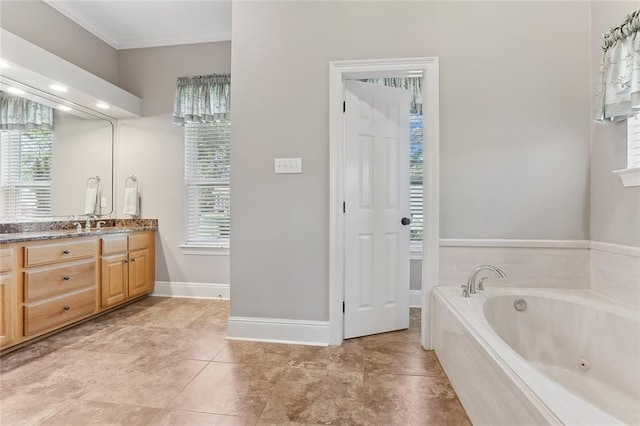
(202, 99)
(618, 92)
(18, 113)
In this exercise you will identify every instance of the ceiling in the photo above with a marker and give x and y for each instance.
(132, 24)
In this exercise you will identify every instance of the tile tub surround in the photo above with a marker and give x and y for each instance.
(527, 263)
(33, 231)
(201, 378)
(615, 272)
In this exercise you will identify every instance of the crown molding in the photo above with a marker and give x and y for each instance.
(172, 40)
(64, 7)
(67, 9)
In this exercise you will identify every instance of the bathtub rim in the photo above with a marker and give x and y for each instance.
(531, 382)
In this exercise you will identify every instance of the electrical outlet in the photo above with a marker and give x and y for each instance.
(103, 202)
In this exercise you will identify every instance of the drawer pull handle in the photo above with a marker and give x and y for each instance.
(133, 260)
(66, 252)
(66, 277)
(126, 261)
(66, 307)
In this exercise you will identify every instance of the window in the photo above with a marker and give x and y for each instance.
(631, 175)
(25, 177)
(633, 142)
(207, 161)
(416, 177)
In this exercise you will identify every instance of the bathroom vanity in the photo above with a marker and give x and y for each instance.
(52, 279)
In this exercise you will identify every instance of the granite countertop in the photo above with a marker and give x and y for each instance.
(59, 230)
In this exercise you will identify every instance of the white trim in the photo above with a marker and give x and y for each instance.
(415, 298)
(172, 40)
(616, 248)
(629, 177)
(297, 332)
(204, 250)
(65, 8)
(451, 242)
(192, 290)
(338, 71)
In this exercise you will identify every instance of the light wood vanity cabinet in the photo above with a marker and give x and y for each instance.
(49, 284)
(8, 296)
(128, 267)
(59, 283)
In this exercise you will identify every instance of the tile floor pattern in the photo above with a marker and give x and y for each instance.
(164, 361)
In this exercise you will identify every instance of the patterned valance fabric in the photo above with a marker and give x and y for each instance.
(202, 99)
(412, 84)
(618, 93)
(18, 113)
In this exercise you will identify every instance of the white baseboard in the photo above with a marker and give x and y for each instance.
(297, 332)
(616, 248)
(514, 243)
(192, 290)
(415, 298)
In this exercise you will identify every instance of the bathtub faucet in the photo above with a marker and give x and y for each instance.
(470, 288)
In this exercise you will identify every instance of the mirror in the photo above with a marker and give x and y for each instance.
(49, 170)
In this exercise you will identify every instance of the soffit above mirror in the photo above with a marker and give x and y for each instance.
(35, 67)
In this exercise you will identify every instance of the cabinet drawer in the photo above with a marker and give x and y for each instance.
(59, 279)
(45, 315)
(114, 244)
(59, 252)
(140, 240)
(6, 259)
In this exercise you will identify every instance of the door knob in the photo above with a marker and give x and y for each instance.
(405, 221)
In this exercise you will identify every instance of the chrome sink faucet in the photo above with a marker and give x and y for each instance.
(99, 225)
(87, 224)
(470, 288)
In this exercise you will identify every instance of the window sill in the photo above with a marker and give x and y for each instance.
(629, 177)
(204, 250)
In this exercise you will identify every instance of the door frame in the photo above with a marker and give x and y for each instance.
(339, 71)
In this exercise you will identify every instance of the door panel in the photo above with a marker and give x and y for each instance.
(377, 197)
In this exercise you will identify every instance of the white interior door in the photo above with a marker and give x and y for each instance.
(377, 200)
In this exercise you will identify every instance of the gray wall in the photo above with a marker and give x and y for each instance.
(615, 210)
(42, 25)
(152, 148)
(514, 99)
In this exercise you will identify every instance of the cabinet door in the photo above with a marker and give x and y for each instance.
(114, 279)
(139, 279)
(7, 312)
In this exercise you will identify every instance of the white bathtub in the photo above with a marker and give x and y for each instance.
(527, 368)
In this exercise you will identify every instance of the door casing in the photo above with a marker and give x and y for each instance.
(339, 71)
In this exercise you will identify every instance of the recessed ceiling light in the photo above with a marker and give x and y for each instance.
(3, 64)
(58, 87)
(103, 105)
(63, 108)
(15, 91)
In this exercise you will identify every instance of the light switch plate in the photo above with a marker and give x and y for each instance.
(288, 165)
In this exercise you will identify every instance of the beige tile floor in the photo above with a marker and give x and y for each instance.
(163, 361)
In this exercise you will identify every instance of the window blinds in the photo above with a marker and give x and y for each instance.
(416, 175)
(207, 161)
(633, 142)
(25, 176)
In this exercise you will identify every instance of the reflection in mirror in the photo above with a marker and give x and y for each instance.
(51, 154)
